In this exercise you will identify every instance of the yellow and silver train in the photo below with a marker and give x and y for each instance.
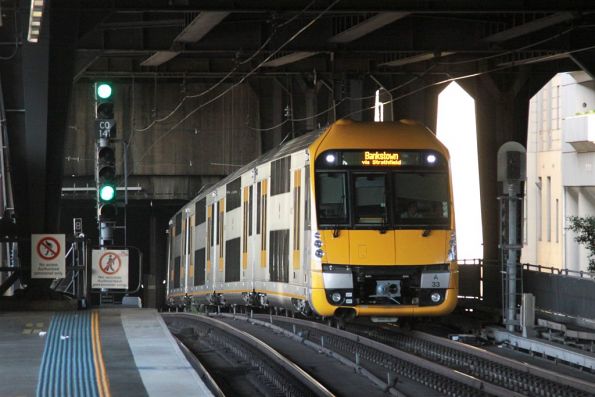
(352, 220)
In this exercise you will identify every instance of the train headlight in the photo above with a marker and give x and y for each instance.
(336, 297)
(431, 159)
(435, 297)
(330, 158)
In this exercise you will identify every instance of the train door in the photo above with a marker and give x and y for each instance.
(188, 268)
(200, 244)
(251, 234)
(306, 244)
(245, 228)
(184, 253)
(256, 268)
(190, 251)
(170, 252)
(221, 241)
(297, 222)
(263, 224)
(211, 214)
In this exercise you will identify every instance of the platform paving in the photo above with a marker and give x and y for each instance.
(140, 356)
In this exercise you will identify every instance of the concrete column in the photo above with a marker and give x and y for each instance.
(150, 280)
(421, 106)
(352, 98)
(502, 109)
(571, 246)
(586, 207)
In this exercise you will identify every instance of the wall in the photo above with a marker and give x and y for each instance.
(212, 142)
(542, 234)
(552, 125)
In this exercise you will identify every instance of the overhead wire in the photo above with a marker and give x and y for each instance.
(224, 78)
(171, 129)
(336, 104)
(500, 54)
(201, 106)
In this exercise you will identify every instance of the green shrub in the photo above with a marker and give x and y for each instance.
(584, 227)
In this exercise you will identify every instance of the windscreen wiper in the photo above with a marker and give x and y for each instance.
(336, 231)
(383, 226)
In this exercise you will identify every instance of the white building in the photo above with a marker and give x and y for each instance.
(560, 175)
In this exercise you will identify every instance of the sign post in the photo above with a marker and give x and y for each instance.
(47, 256)
(109, 269)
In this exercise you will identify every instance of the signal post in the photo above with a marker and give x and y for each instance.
(105, 165)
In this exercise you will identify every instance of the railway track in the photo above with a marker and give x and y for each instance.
(394, 360)
(512, 375)
(238, 363)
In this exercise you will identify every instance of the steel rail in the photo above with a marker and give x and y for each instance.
(454, 375)
(202, 372)
(519, 366)
(308, 381)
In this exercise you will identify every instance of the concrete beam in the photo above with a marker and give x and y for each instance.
(367, 26)
(530, 27)
(200, 26)
(585, 60)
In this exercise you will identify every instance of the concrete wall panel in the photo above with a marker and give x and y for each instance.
(199, 139)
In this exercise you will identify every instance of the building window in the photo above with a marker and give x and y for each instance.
(557, 221)
(525, 212)
(548, 198)
(539, 201)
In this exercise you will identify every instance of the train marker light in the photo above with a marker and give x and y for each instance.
(435, 297)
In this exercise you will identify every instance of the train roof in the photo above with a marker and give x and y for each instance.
(404, 134)
(348, 134)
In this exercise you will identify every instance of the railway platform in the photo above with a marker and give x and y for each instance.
(97, 353)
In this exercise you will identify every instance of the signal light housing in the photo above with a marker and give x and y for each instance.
(105, 124)
(107, 193)
(103, 90)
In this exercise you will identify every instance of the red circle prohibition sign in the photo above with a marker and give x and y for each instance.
(111, 265)
(48, 248)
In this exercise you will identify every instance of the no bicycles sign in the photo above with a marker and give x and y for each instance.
(47, 256)
(110, 269)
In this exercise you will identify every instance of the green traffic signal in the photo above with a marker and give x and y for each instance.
(107, 193)
(103, 90)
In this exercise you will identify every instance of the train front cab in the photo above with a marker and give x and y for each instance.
(385, 244)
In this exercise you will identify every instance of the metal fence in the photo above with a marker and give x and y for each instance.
(568, 292)
(563, 291)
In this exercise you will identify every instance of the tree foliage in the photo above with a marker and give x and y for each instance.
(584, 227)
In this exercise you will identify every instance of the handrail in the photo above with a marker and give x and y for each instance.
(560, 272)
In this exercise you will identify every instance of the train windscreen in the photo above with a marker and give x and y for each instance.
(406, 192)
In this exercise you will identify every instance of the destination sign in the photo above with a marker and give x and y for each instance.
(381, 158)
(370, 158)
